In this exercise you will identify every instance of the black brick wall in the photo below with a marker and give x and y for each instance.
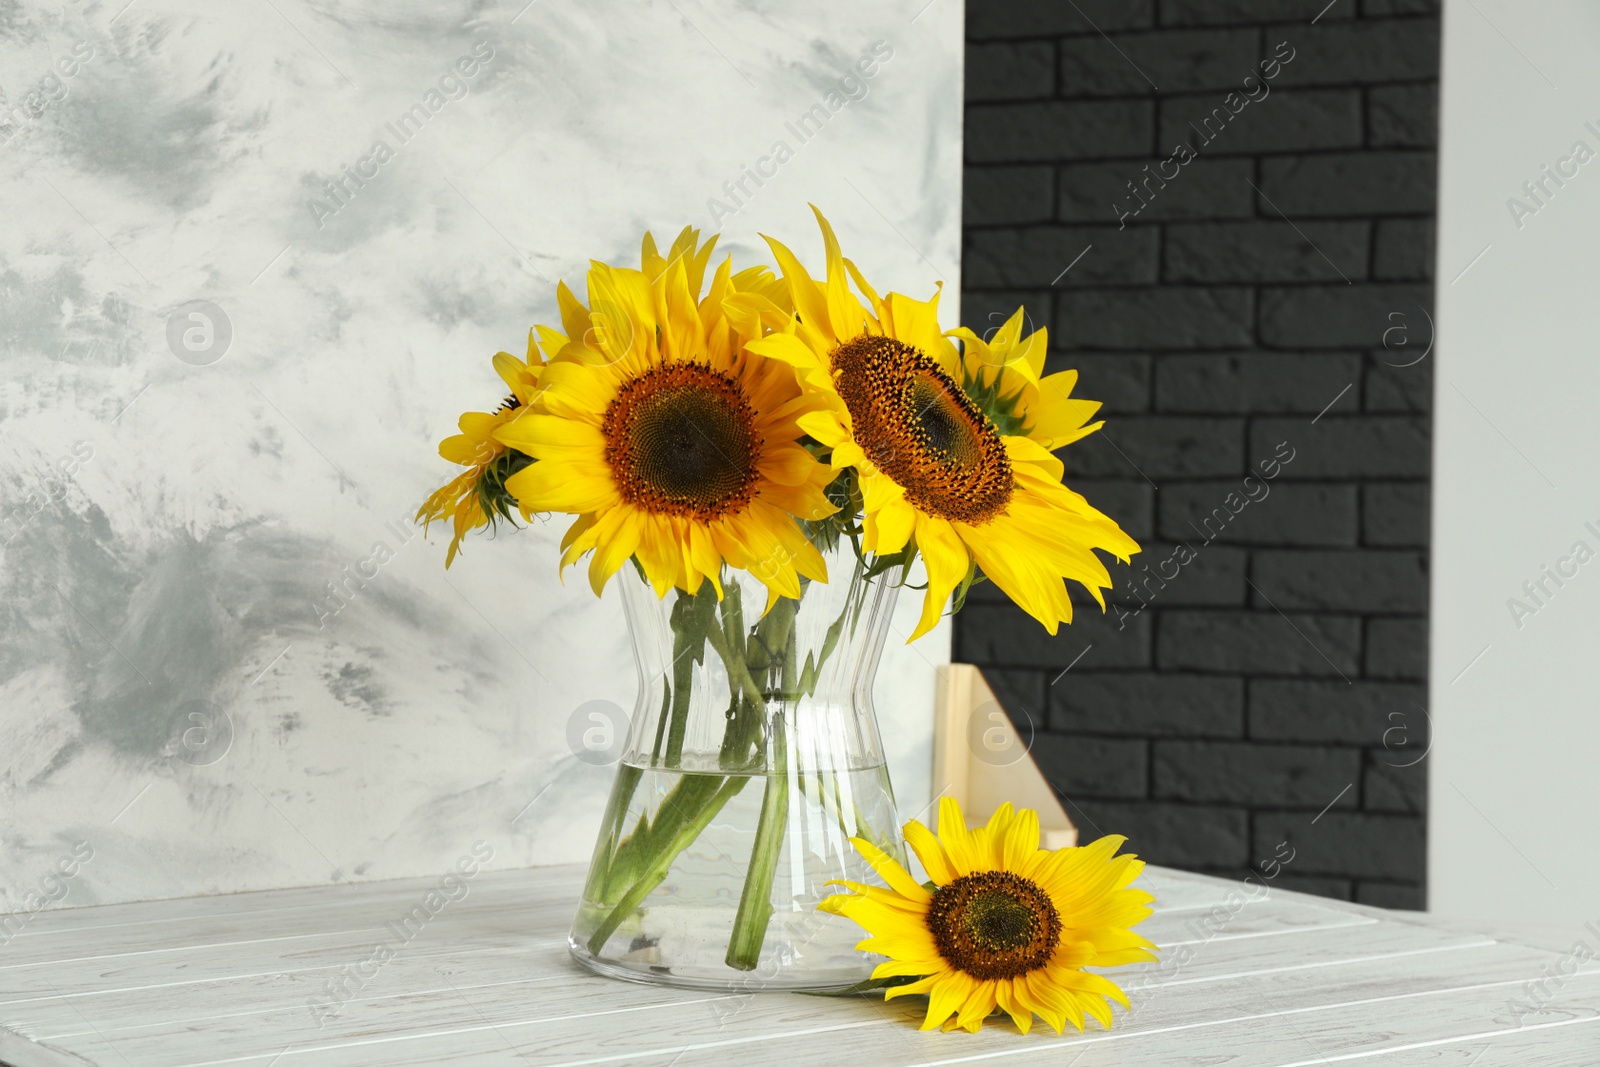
(1272, 295)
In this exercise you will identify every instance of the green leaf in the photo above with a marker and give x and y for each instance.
(869, 985)
(972, 579)
(1000, 409)
(499, 505)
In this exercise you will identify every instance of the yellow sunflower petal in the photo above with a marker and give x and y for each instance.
(658, 553)
(878, 490)
(1093, 986)
(511, 369)
(612, 552)
(895, 931)
(1018, 845)
(945, 556)
(1056, 418)
(957, 840)
(995, 832)
(905, 946)
(703, 555)
(1052, 1005)
(980, 1003)
(916, 322)
(844, 310)
(788, 464)
(888, 529)
(1074, 954)
(913, 988)
(809, 300)
(903, 969)
(551, 340)
(580, 391)
(467, 450)
(569, 487)
(879, 895)
(549, 436)
(825, 427)
(890, 871)
(571, 546)
(1008, 1003)
(930, 852)
(873, 300)
(574, 316)
(948, 993)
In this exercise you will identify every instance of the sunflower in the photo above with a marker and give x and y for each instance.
(672, 443)
(477, 497)
(1006, 923)
(1002, 377)
(938, 471)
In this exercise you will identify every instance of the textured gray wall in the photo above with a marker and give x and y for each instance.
(226, 659)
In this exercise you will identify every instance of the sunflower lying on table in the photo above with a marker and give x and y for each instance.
(1003, 923)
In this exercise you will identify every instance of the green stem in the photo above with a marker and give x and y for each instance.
(733, 609)
(733, 655)
(610, 829)
(755, 901)
(746, 703)
(789, 669)
(661, 721)
(690, 628)
(683, 831)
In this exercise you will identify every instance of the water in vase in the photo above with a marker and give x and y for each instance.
(687, 855)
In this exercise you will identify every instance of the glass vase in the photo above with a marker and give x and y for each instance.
(753, 757)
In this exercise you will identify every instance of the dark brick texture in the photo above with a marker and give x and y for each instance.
(1244, 191)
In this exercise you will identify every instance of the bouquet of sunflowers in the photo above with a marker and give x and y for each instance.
(688, 426)
(726, 432)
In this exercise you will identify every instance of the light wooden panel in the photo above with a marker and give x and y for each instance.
(980, 759)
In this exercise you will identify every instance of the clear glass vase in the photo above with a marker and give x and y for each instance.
(752, 759)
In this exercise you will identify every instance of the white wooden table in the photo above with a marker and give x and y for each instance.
(1284, 980)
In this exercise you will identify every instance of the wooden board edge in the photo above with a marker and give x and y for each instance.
(1004, 769)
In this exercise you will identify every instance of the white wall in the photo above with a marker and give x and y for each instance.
(180, 552)
(1514, 820)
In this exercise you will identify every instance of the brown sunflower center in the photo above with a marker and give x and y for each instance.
(918, 427)
(994, 924)
(681, 439)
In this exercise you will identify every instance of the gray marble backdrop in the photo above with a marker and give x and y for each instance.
(224, 385)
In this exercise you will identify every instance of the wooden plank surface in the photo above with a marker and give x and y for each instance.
(1281, 980)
